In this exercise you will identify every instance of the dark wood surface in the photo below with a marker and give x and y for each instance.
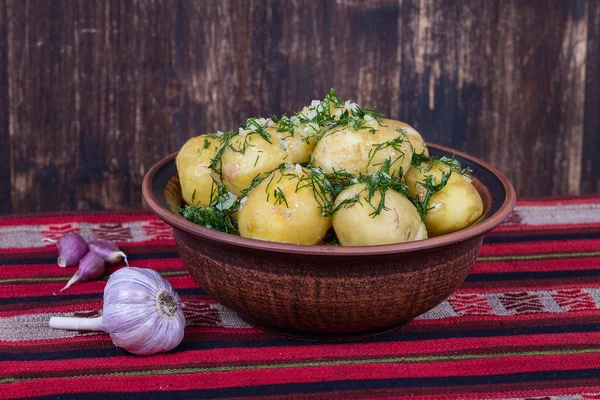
(93, 92)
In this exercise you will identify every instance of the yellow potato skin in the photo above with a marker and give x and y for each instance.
(260, 156)
(298, 222)
(415, 137)
(298, 144)
(354, 226)
(192, 163)
(346, 149)
(457, 206)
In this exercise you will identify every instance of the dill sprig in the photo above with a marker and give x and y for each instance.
(218, 215)
(291, 126)
(224, 139)
(259, 125)
(395, 144)
(430, 184)
(253, 126)
(280, 197)
(421, 159)
(382, 181)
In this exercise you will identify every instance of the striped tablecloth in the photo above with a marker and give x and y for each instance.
(525, 324)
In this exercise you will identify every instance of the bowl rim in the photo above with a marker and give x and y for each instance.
(476, 230)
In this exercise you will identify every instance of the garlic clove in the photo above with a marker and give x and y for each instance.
(108, 250)
(71, 248)
(90, 267)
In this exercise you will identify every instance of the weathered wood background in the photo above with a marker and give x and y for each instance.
(93, 92)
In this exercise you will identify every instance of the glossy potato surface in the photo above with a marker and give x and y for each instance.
(355, 226)
(195, 176)
(292, 217)
(299, 143)
(363, 151)
(457, 206)
(415, 137)
(248, 156)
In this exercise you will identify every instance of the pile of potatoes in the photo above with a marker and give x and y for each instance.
(331, 169)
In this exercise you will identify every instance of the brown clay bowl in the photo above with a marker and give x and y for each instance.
(329, 292)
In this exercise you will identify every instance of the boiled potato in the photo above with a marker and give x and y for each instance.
(197, 180)
(298, 139)
(455, 207)
(363, 151)
(398, 222)
(415, 138)
(247, 156)
(278, 211)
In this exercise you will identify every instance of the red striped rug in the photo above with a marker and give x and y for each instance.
(524, 325)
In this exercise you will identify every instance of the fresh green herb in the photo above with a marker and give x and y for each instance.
(210, 217)
(224, 139)
(395, 144)
(259, 125)
(421, 160)
(432, 188)
(218, 215)
(426, 164)
(280, 197)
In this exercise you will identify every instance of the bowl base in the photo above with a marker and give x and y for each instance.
(321, 336)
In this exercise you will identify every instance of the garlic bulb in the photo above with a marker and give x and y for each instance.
(142, 313)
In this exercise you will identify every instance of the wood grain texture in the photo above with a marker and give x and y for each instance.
(590, 183)
(5, 199)
(93, 92)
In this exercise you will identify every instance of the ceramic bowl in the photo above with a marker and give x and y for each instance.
(329, 292)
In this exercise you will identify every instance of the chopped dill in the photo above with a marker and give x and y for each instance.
(422, 161)
(218, 215)
(395, 144)
(224, 139)
(210, 217)
(259, 125)
(419, 159)
(280, 197)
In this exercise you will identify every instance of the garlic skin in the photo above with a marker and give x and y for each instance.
(91, 266)
(71, 248)
(108, 250)
(142, 313)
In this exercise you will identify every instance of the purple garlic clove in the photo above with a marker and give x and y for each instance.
(71, 248)
(108, 250)
(90, 267)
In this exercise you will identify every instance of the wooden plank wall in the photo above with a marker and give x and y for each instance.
(93, 92)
